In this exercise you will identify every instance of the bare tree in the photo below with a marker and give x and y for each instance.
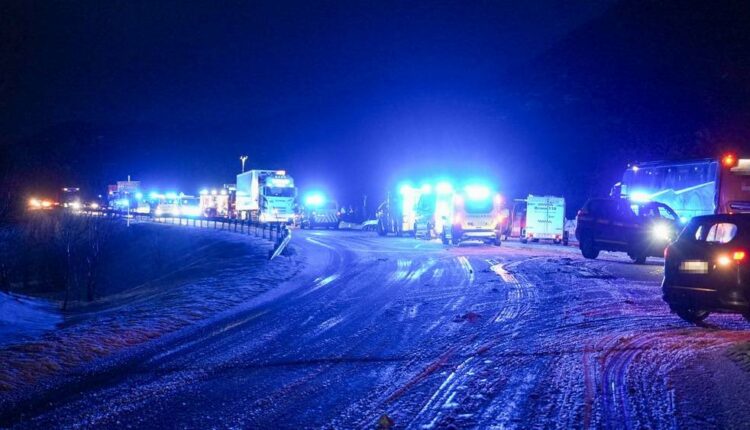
(99, 232)
(8, 254)
(69, 233)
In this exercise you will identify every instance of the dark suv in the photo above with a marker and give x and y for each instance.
(613, 224)
(706, 270)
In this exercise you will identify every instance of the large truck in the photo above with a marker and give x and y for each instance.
(545, 219)
(266, 196)
(690, 187)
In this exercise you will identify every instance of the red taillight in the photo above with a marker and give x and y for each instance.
(729, 160)
(666, 252)
(738, 256)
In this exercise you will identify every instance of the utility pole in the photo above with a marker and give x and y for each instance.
(243, 158)
(127, 199)
(364, 207)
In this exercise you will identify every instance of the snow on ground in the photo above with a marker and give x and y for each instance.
(22, 317)
(215, 277)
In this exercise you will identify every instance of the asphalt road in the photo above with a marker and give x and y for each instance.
(518, 336)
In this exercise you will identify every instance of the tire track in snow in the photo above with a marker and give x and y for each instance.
(454, 393)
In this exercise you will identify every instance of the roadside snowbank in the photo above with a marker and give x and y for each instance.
(22, 317)
(221, 273)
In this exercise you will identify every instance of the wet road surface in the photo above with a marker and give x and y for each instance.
(518, 336)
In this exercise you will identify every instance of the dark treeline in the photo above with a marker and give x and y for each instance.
(59, 254)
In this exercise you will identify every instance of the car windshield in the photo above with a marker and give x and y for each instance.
(655, 210)
(279, 191)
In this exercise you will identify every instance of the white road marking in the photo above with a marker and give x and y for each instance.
(324, 245)
(467, 267)
(329, 324)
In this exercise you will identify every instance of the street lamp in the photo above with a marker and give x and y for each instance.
(243, 158)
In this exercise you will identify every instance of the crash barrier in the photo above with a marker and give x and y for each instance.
(276, 232)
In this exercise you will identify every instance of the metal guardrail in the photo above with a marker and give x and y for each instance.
(276, 232)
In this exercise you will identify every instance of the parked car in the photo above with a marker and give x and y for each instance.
(642, 229)
(706, 269)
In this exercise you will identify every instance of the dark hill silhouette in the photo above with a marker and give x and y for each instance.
(646, 80)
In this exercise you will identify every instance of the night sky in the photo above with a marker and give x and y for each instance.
(347, 96)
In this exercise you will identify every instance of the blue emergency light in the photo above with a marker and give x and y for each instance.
(315, 199)
(477, 192)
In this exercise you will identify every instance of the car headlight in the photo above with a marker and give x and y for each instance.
(661, 231)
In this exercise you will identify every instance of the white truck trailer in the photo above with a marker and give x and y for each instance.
(266, 196)
(545, 219)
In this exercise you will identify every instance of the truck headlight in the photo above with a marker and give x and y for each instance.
(661, 231)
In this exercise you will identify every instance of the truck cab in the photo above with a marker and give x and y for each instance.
(266, 196)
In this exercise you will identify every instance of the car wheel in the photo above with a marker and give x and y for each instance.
(638, 258)
(690, 314)
(588, 249)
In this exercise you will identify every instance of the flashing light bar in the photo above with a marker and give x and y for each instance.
(477, 192)
(314, 200)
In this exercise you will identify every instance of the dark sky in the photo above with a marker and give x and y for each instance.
(348, 95)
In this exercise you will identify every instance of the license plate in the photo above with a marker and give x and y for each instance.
(694, 267)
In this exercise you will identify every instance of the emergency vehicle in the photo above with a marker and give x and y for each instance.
(476, 213)
(216, 203)
(433, 206)
(397, 214)
(319, 212)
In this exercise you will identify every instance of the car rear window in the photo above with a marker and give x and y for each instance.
(722, 232)
(718, 232)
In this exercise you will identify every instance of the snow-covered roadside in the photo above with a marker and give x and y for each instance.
(227, 271)
(23, 317)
